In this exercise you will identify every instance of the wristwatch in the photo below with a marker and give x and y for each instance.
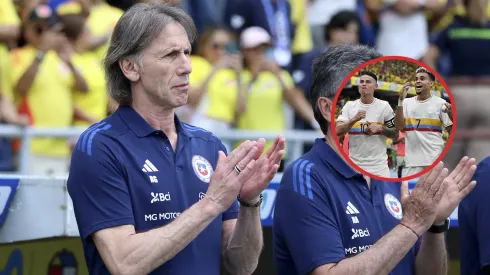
(39, 55)
(440, 228)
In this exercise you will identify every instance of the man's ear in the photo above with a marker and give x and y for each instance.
(325, 106)
(130, 69)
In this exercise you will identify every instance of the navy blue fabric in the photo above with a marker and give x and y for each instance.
(325, 212)
(123, 172)
(467, 47)
(474, 224)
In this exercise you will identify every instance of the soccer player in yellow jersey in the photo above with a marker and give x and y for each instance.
(368, 121)
(423, 118)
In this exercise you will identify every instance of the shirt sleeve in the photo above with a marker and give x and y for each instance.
(344, 116)
(20, 61)
(288, 80)
(482, 209)
(232, 211)
(97, 184)
(389, 116)
(303, 214)
(8, 14)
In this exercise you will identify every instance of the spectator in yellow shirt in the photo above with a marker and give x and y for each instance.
(214, 82)
(101, 22)
(92, 106)
(9, 33)
(43, 77)
(268, 87)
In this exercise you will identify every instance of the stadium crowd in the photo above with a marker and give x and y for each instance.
(397, 71)
(250, 71)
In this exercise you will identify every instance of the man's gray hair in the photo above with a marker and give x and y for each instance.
(331, 68)
(134, 31)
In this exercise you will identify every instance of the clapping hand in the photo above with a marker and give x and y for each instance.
(267, 166)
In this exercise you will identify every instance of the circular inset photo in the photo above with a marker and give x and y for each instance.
(393, 118)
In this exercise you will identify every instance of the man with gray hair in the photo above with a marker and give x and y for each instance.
(151, 194)
(330, 219)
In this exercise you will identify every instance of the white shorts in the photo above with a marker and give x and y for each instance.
(400, 161)
(385, 172)
(413, 170)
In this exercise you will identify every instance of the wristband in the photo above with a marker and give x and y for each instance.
(257, 204)
(411, 230)
(400, 103)
(39, 56)
(422, 3)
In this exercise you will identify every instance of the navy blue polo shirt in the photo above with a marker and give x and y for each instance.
(474, 224)
(125, 172)
(325, 212)
(467, 46)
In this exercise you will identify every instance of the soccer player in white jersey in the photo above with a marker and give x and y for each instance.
(368, 121)
(423, 118)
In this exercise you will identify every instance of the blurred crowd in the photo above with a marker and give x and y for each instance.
(398, 71)
(251, 61)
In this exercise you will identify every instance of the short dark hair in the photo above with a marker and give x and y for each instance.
(331, 68)
(369, 73)
(340, 21)
(424, 70)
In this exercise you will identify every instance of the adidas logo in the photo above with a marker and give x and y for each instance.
(352, 210)
(148, 167)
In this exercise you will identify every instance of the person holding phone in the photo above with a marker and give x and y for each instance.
(215, 96)
(43, 77)
(268, 87)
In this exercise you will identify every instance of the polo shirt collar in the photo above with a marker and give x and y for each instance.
(327, 154)
(141, 127)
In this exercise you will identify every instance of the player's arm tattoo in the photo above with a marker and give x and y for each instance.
(390, 132)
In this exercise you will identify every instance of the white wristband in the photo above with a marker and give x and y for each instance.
(400, 103)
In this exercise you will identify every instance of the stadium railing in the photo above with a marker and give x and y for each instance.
(296, 139)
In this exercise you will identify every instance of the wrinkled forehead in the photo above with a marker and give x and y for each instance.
(173, 35)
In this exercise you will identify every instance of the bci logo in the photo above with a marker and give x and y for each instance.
(359, 233)
(156, 197)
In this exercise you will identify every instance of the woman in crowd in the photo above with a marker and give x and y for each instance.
(268, 86)
(214, 95)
